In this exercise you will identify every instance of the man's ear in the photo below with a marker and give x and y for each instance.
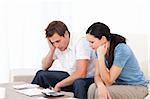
(66, 34)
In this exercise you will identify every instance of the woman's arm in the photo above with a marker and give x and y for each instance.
(102, 90)
(97, 77)
(107, 76)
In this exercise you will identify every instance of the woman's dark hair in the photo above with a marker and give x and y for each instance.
(98, 30)
(56, 27)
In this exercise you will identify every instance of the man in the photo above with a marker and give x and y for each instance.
(77, 62)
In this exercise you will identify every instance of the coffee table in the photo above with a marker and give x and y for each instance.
(12, 94)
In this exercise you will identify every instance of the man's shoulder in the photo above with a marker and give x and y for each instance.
(82, 40)
(83, 44)
(76, 40)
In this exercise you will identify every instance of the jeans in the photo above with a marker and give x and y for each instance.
(45, 78)
(80, 87)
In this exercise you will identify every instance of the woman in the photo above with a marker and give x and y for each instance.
(117, 74)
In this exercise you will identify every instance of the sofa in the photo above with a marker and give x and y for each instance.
(26, 75)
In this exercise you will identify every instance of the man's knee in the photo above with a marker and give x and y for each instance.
(40, 73)
(37, 77)
(79, 83)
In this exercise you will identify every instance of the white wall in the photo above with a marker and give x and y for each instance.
(22, 24)
(3, 45)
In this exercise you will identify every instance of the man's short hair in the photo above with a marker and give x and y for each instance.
(56, 27)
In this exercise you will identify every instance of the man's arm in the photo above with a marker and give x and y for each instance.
(48, 60)
(80, 72)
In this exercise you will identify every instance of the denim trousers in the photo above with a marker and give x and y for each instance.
(47, 78)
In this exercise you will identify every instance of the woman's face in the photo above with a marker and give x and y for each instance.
(95, 42)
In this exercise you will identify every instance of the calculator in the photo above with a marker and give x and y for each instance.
(53, 94)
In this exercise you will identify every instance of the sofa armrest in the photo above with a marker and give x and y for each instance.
(22, 74)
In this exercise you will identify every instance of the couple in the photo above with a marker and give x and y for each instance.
(111, 64)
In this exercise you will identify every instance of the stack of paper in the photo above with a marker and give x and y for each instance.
(25, 86)
(28, 89)
(33, 90)
(30, 92)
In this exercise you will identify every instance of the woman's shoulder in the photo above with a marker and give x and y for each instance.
(122, 47)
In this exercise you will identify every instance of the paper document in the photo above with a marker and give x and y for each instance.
(25, 86)
(33, 90)
(30, 92)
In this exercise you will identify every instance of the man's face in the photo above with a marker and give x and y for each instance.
(60, 42)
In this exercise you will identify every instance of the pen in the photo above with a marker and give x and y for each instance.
(50, 87)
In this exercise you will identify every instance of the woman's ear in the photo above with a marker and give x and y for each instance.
(103, 39)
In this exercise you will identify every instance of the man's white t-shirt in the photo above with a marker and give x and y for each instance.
(76, 50)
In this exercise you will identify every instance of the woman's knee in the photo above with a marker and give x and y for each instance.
(92, 87)
(92, 91)
(126, 92)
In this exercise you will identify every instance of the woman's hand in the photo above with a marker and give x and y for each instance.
(103, 93)
(102, 50)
